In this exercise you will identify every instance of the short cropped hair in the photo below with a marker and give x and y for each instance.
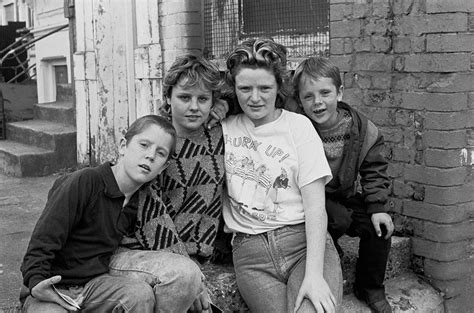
(142, 123)
(316, 68)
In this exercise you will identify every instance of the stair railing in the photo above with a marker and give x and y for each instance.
(13, 51)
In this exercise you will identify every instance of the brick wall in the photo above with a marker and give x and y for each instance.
(409, 65)
(181, 28)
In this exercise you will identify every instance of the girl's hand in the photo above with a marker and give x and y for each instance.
(317, 291)
(202, 303)
(218, 113)
(44, 292)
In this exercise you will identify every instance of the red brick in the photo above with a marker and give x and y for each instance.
(375, 27)
(446, 121)
(373, 62)
(443, 158)
(402, 44)
(361, 10)
(446, 232)
(450, 42)
(339, 12)
(381, 81)
(437, 62)
(445, 139)
(448, 270)
(381, 8)
(435, 23)
(362, 44)
(449, 195)
(454, 82)
(436, 213)
(432, 101)
(438, 251)
(380, 44)
(342, 62)
(392, 135)
(442, 6)
(403, 154)
(345, 29)
(436, 176)
(401, 189)
(341, 46)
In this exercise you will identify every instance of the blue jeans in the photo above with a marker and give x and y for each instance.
(176, 279)
(104, 293)
(270, 268)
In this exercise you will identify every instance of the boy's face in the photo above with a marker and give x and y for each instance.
(319, 99)
(146, 154)
(190, 107)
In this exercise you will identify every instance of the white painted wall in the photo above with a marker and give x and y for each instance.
(52, 50)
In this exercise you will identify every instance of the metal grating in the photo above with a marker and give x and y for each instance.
(301, 25)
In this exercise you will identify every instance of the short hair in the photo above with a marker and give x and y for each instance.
(142, 123)
(316, 67)
(260, 53)
(193, 70)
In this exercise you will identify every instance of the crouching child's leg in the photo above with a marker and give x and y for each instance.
(176, 279)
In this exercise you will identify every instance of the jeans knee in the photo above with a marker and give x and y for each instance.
(139, 294)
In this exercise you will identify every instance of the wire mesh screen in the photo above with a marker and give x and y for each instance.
(301, 25)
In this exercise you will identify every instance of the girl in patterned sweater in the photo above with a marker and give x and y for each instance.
(180, 211)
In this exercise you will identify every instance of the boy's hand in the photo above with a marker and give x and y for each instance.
(379, 219)
(218, 113)
(44, 292)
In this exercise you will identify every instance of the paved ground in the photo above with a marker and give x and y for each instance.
(21, 203)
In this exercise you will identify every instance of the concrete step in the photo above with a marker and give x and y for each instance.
(61, 112)
(398, 262)
(17, 159)
(44, 134)
(405, 291)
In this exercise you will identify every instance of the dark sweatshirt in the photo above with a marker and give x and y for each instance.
(79, 229)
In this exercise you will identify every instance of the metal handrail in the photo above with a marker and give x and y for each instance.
(28, 44)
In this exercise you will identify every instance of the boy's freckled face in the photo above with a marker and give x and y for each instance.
(319, 99)
(146, 154)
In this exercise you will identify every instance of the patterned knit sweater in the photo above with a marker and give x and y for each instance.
(334, 140)
(180, 210)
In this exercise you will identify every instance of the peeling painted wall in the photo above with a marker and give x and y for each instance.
(117, 72)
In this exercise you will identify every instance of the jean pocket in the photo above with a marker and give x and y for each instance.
(238, 240)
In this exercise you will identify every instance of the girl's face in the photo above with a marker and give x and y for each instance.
(256, 91)
(190, 107)
(319, 99)
(145, 155)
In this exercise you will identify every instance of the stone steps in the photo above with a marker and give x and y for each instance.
(406, 292)
(43, 145)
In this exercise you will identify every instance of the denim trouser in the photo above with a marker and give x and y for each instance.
(104, 293)
(270, 268)
(176, 279)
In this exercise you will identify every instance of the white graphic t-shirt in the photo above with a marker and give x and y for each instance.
(265, 168)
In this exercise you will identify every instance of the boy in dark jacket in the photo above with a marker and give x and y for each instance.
(354, 147)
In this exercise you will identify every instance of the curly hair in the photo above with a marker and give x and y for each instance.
(259, 53)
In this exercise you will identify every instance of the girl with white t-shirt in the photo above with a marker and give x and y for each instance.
(276, 172)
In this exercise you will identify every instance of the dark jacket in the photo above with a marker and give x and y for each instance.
(79, 229)
(363, 155)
